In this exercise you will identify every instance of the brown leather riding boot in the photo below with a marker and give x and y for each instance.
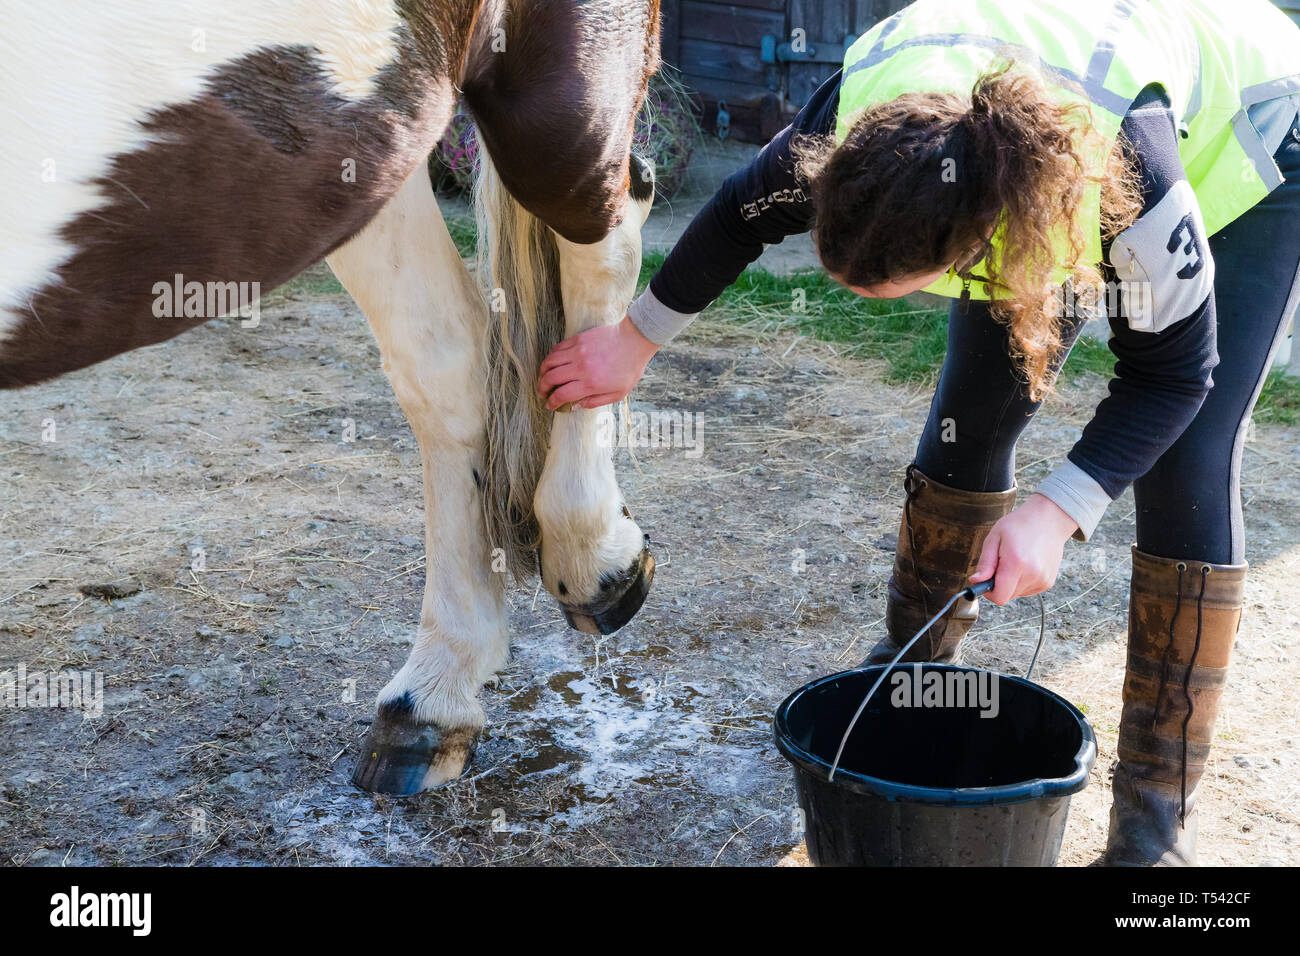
(939, 544)
(1183, 619)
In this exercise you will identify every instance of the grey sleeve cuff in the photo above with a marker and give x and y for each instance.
(1076, 493)
(655, 320)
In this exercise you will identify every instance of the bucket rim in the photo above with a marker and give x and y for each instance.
(1003, 794)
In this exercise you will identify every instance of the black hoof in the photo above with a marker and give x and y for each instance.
(403, 758)
(618, 602)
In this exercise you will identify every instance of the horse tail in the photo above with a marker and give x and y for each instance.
(519, 270)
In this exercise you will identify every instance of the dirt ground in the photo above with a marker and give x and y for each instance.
(236, 696)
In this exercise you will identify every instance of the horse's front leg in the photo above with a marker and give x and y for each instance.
(428, 317)
(594, 557)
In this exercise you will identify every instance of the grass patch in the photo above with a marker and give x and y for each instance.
(1089, 355)
(464, 233)
(1279, 403)
(318, 280)
(910, 338)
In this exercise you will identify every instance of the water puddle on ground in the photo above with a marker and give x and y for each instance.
(574, 739)
(587, 736)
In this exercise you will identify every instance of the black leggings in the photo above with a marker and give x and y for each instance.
(1189, 502)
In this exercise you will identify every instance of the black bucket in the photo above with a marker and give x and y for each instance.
(934, 785)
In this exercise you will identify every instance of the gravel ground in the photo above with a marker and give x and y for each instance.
(236, 693)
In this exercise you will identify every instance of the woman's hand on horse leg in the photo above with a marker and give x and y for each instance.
(1024, 550)
(596, 367)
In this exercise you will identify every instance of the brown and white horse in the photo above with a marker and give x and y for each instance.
(222, 142)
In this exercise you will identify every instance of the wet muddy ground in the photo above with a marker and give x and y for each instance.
(278, 570)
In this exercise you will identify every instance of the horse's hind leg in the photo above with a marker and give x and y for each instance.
(427, 315)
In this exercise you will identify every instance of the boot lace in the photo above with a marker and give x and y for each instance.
(1187, 675)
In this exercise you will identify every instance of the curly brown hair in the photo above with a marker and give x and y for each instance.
(923, 181)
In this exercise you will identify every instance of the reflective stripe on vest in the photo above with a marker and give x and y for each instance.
(1213, 64)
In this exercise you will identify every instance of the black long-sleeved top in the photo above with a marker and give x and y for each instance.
(758, 204)
(1160, 381)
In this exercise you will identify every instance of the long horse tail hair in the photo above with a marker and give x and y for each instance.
(519, 271)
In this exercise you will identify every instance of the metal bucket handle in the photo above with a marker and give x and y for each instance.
(970, 594)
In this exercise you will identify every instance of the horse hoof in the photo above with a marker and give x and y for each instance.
(403, 758)
(619, 600)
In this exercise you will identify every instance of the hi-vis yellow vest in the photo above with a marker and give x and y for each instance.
(1215, 59)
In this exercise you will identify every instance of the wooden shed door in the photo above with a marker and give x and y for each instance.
(719, 49)
(826, 24)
